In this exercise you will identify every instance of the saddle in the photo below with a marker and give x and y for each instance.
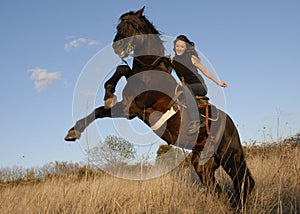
(207, 110)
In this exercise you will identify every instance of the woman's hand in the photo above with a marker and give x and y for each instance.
(169, 57)
(223, 84)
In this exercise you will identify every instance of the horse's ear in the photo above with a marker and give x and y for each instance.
(139, 13)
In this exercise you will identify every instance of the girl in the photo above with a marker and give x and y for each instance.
(185, 63)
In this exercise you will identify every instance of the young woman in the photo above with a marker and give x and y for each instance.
(185, 63)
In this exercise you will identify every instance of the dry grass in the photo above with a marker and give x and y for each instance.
(276, 172)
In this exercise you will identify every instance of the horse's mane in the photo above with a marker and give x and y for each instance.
(136, 19)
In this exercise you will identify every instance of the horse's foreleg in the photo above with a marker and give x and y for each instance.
(101, 112)
(110, 85)
(75, 132)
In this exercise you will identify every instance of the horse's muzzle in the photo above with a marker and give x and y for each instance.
(119, 48)
(123, 47)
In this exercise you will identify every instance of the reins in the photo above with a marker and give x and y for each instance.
(153, 64)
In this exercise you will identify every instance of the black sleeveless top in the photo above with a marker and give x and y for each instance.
(184, 67)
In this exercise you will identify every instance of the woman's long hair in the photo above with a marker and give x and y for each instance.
(190, 46)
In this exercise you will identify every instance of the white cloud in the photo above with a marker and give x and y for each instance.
(80, 42)
(42, 78)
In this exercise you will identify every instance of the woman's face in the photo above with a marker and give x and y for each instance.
(180, 47)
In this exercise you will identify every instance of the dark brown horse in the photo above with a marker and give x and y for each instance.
(148, 94)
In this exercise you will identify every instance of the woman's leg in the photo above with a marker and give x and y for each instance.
(190, 91)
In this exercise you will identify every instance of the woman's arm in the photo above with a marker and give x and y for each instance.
(196, 62)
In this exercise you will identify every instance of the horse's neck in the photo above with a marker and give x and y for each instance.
(148, 55)
(156, 48)
(152, 46)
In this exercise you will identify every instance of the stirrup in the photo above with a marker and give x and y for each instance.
(202, 99)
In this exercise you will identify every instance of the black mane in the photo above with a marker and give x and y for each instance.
(141, 19)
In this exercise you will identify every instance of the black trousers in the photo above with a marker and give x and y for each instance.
(190, 91)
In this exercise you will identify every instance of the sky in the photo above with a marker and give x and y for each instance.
(45, 45)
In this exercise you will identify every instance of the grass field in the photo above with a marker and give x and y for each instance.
(276, 170)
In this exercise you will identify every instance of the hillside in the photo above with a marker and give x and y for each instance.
(276, 170)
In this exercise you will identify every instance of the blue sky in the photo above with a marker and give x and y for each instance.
(253, 45)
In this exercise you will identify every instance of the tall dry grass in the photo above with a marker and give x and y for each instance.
(275, 170)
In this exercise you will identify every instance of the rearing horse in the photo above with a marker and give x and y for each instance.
(148, 94)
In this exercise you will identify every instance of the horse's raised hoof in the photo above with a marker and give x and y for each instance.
(72, 135)
(110, 102)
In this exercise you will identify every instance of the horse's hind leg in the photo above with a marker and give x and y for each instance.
(206, 172)
(235, 166)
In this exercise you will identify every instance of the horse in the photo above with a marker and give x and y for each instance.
(148, 95)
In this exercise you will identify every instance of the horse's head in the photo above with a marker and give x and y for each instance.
(132, 32)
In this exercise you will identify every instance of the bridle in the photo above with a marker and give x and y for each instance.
(135, 23)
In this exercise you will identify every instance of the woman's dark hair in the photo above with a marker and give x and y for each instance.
(190, 47)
